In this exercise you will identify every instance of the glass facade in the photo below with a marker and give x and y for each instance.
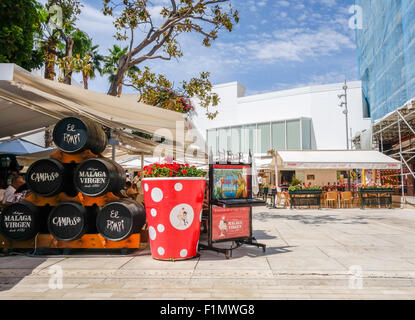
(262, 137)
(386, 53)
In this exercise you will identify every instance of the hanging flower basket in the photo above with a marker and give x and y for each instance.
(173, 197)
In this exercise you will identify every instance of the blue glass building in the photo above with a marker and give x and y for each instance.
(386, 53)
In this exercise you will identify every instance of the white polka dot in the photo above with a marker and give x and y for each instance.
(153, 212)
(178, 187)
(160, 250)
(160, 228)
(156, 194)
(183, 253)
(181, 216)
(200, 216)
(152, 233)
(146, 187)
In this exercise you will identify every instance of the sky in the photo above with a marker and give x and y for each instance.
(277, 45)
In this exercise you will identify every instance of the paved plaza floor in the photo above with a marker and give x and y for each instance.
(311, 254)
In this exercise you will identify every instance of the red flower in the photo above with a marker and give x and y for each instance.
(184, 171)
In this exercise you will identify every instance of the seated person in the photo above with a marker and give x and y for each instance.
(9, 193)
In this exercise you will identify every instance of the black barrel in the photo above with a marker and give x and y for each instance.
(68, 221)
(95, 177)
(76, 134)
(48, 177)
(20, 221)
(119, 220)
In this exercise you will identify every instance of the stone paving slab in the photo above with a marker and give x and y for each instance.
(309, 255)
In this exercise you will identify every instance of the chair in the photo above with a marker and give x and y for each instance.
(331, 198)
(285, 199)
(357, 200)
(346, 197)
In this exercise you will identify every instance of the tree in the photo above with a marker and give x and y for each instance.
(205, 17)
(156, 90)
(86, 59)
(19, 27)
(60, 30)
(111, 63)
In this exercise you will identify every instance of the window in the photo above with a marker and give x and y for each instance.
(260, 138)
(223, 140)
(212, 142)
(293, 135)
(278, 135)
(306, 128)
(251, 137)
(264, 141)
(236, 140)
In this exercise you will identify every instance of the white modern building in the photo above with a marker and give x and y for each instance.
(307, 118)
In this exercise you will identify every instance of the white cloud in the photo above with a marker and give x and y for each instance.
(283, 3)
(299, 44)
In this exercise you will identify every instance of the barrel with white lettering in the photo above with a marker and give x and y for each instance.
(20, 221)
(119, 220)
(48, 177)
(69, 221)
(76, 134)
(95, 177)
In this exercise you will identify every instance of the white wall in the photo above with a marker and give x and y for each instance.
(320, 103)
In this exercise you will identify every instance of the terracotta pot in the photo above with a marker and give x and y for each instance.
(174, 214)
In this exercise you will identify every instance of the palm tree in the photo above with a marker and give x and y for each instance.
(111, 65)
(87, 58)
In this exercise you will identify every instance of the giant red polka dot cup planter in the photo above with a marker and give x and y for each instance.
(174, 215)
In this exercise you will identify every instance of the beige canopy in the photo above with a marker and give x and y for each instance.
(28, 102)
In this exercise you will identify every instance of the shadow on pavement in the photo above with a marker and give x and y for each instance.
(15, 267)
(313, 218)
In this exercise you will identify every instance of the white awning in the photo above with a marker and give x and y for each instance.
(353, 159)
(28, 102)
(264, 163)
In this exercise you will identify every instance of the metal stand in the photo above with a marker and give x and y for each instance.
(231, 203)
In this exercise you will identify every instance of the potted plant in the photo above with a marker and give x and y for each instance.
(376, 188)
(173, 197)
(303, 189)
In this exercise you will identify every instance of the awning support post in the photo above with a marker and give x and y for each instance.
(142, 161)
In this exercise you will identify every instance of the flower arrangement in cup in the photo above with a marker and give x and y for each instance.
(172, 170)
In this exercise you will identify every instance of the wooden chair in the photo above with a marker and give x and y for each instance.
(357, 200)
(281, 201)
(331, 198)
(346, 197)
(285, 199)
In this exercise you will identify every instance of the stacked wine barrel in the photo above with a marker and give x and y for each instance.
(74, 192)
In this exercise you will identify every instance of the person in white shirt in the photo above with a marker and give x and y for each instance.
(8, 196)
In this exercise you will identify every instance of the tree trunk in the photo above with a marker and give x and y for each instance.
(119, 89)
(85, 78)
(69, 49)
(50, 59)
(115, 89)
(49, 47)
